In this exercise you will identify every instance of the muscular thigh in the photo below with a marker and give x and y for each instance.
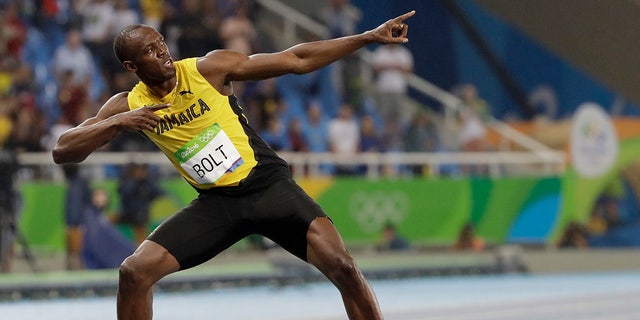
(208, 225)
(283, 214)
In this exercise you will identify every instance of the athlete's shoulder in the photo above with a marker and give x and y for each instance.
(223, 54)
(186, 63)
(118, 103)
(118, 99)
(217, 65)
(138, 96)
(221, 60)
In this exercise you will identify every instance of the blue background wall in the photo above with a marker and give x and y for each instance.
(445, 56)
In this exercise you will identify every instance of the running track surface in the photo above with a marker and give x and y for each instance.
(586, 296)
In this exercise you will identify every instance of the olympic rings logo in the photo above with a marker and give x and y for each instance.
(372, 210)
(207, 136)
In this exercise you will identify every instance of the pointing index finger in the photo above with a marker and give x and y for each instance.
(405, 16)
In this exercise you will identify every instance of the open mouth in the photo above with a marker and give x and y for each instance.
(169, 62)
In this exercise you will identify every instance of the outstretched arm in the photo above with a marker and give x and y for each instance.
(75, 144)
(223, 66)
(314, 55)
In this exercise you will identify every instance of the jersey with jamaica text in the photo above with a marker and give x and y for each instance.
(204, 133)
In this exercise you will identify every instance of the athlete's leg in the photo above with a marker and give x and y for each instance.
(138, 273)
(288, 216)
(195, 234)
(326, 251)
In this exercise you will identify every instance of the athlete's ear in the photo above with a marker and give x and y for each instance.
(129, 66)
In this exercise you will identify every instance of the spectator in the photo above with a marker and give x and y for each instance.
(575, 235)
(153, 12)
(75, 58)
(342, 18)
(275, 134)
(297, 141)
(23, 125)
(420, 136)
(6, 125)
(123, 16)
(211, 19)
(370, 140)
(6, 74)
(296, 137)
(13, 31)
(78, 199)
(194, 38)
(468, 240)
(9, 198)
(23, 86)
(392, 240)
(28, 130)
(393, 143)
(472, 115)
(97, 16)
(238, 32)
(137, 189)
(103, 245)
(344, 138)
(316, 132)
(263, 102)
(391, 65)
(73, 100)
(468, 93)
(228, 8)
(316, 129)
(608, 212)
(472, 138)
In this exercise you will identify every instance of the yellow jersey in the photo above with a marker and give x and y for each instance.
(205, 134)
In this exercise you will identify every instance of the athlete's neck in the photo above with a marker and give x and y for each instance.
(164, 88)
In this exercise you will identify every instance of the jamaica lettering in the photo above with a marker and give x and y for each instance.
(177, 119)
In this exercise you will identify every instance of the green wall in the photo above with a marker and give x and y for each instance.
(425, 210)
(429, 211)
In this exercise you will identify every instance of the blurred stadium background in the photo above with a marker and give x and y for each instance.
(515, 148)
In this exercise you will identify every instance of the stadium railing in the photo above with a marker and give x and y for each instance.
(497, 163)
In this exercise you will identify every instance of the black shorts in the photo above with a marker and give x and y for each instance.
(213, 222)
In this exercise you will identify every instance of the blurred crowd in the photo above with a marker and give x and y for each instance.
(57, 67)
(614, 220)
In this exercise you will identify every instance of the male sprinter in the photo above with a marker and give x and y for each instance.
(188, 110)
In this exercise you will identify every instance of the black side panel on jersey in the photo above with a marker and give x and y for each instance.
(270, 168)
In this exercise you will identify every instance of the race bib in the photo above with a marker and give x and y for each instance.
(209, 155)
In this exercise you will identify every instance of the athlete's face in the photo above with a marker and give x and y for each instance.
(151, 59)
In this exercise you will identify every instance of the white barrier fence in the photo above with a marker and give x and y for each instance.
(373, 165)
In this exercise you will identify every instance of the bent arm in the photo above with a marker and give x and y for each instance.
(75, 144)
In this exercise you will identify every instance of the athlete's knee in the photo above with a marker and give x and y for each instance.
(342, 270)
(146, 266)
(133, 273)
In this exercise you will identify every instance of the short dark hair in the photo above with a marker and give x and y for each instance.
(122, 41)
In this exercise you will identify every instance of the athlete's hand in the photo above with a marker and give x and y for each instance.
(142, 118)
(394, 31)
